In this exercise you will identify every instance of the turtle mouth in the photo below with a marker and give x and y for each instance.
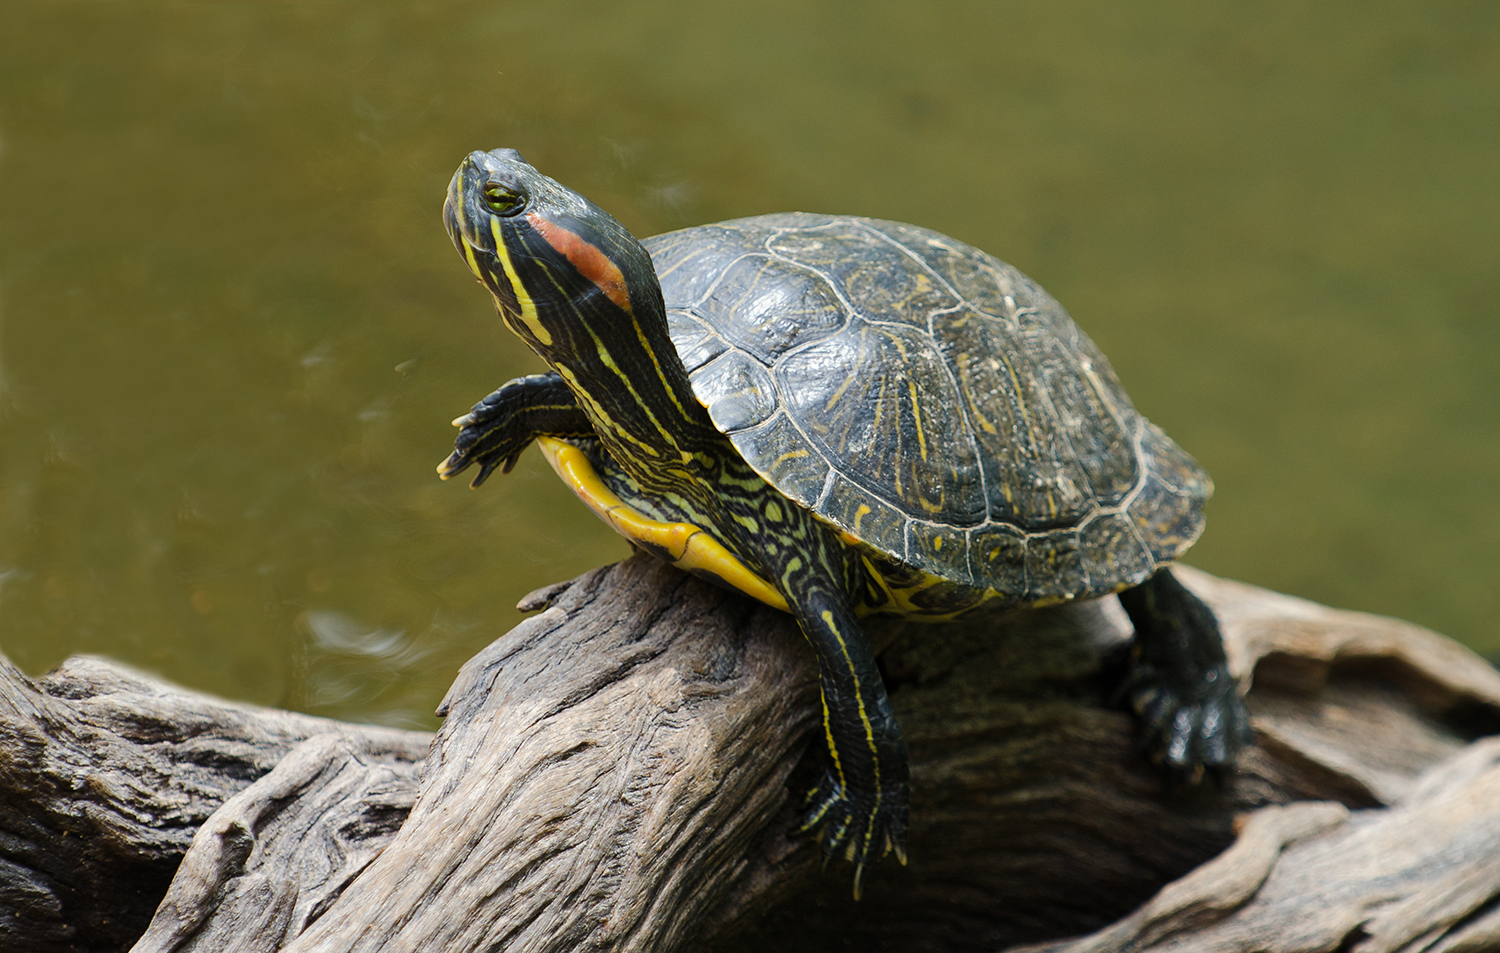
(460, 225)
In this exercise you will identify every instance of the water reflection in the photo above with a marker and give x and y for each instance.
(354, 670)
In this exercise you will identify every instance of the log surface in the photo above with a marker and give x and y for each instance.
(106, 775)
(616, 773)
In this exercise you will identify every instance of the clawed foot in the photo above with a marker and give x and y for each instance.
(1193, 720)
(1189, 730)
(491, 435)
(861, 828)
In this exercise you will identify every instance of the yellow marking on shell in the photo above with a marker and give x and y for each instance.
(689, 547)
(937, 544)
(916, 415)
(839, 393)
(789, 455)
(860, 514)
(970, 390)
(527, 307)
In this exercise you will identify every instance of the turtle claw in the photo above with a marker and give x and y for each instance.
(490, 435)
(862, 828)
(497, 429)
(1191, 731)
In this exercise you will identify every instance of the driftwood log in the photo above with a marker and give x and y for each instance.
(617, 773)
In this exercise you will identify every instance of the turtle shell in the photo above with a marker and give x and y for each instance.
(927, 399)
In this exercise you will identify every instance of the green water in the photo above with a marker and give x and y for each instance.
(232, 329)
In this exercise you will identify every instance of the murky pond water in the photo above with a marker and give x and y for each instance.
(232, 329)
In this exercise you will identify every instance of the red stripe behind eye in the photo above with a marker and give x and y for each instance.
(592, 263)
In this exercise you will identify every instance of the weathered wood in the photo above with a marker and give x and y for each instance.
(1423, 875)
(273, 858)
(614, 774)
(636, 737)
(105, 775)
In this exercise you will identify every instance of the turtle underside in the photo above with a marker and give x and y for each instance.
(928, 399)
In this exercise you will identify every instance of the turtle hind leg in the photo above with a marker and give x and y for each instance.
(1178, 683)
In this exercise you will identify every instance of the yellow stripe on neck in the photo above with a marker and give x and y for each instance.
(684, 545)
(524, 304)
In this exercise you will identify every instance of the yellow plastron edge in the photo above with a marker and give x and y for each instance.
(684, 545)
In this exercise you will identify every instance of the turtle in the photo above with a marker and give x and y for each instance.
(844, 417)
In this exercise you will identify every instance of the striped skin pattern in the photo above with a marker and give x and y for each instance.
(840, 417)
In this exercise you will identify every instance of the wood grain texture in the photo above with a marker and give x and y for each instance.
(105, 776)
(1422, 875)
(271, 860)
(620, 772)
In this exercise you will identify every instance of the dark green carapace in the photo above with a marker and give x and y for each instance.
(844, 416)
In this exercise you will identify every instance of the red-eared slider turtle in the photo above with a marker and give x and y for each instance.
(842, 416)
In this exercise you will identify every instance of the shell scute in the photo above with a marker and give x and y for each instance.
(900, 436)
(1167, 520)
(691, 262)
(768, 307)
(997, 556)
(980, 279)
(1116, 549)
(1055, 569)
(696, 342)
(784, 458)
(1097, 422)
(882, 281)
(928, 542)
(1172, 465)
(863, 515)
(1032, 478)
(737, 391)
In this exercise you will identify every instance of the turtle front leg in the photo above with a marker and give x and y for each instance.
(860, 803)
(1179, 683)
(498, 428)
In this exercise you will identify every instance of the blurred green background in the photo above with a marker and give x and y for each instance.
(233, 331)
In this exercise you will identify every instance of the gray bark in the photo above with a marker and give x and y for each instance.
(106, 775)
(615, 772)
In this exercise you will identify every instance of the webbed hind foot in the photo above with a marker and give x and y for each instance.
(1193, 721)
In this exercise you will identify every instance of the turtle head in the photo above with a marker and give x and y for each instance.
(555, 262)
(578, 288)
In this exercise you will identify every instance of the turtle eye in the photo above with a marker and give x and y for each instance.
(503, 199)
